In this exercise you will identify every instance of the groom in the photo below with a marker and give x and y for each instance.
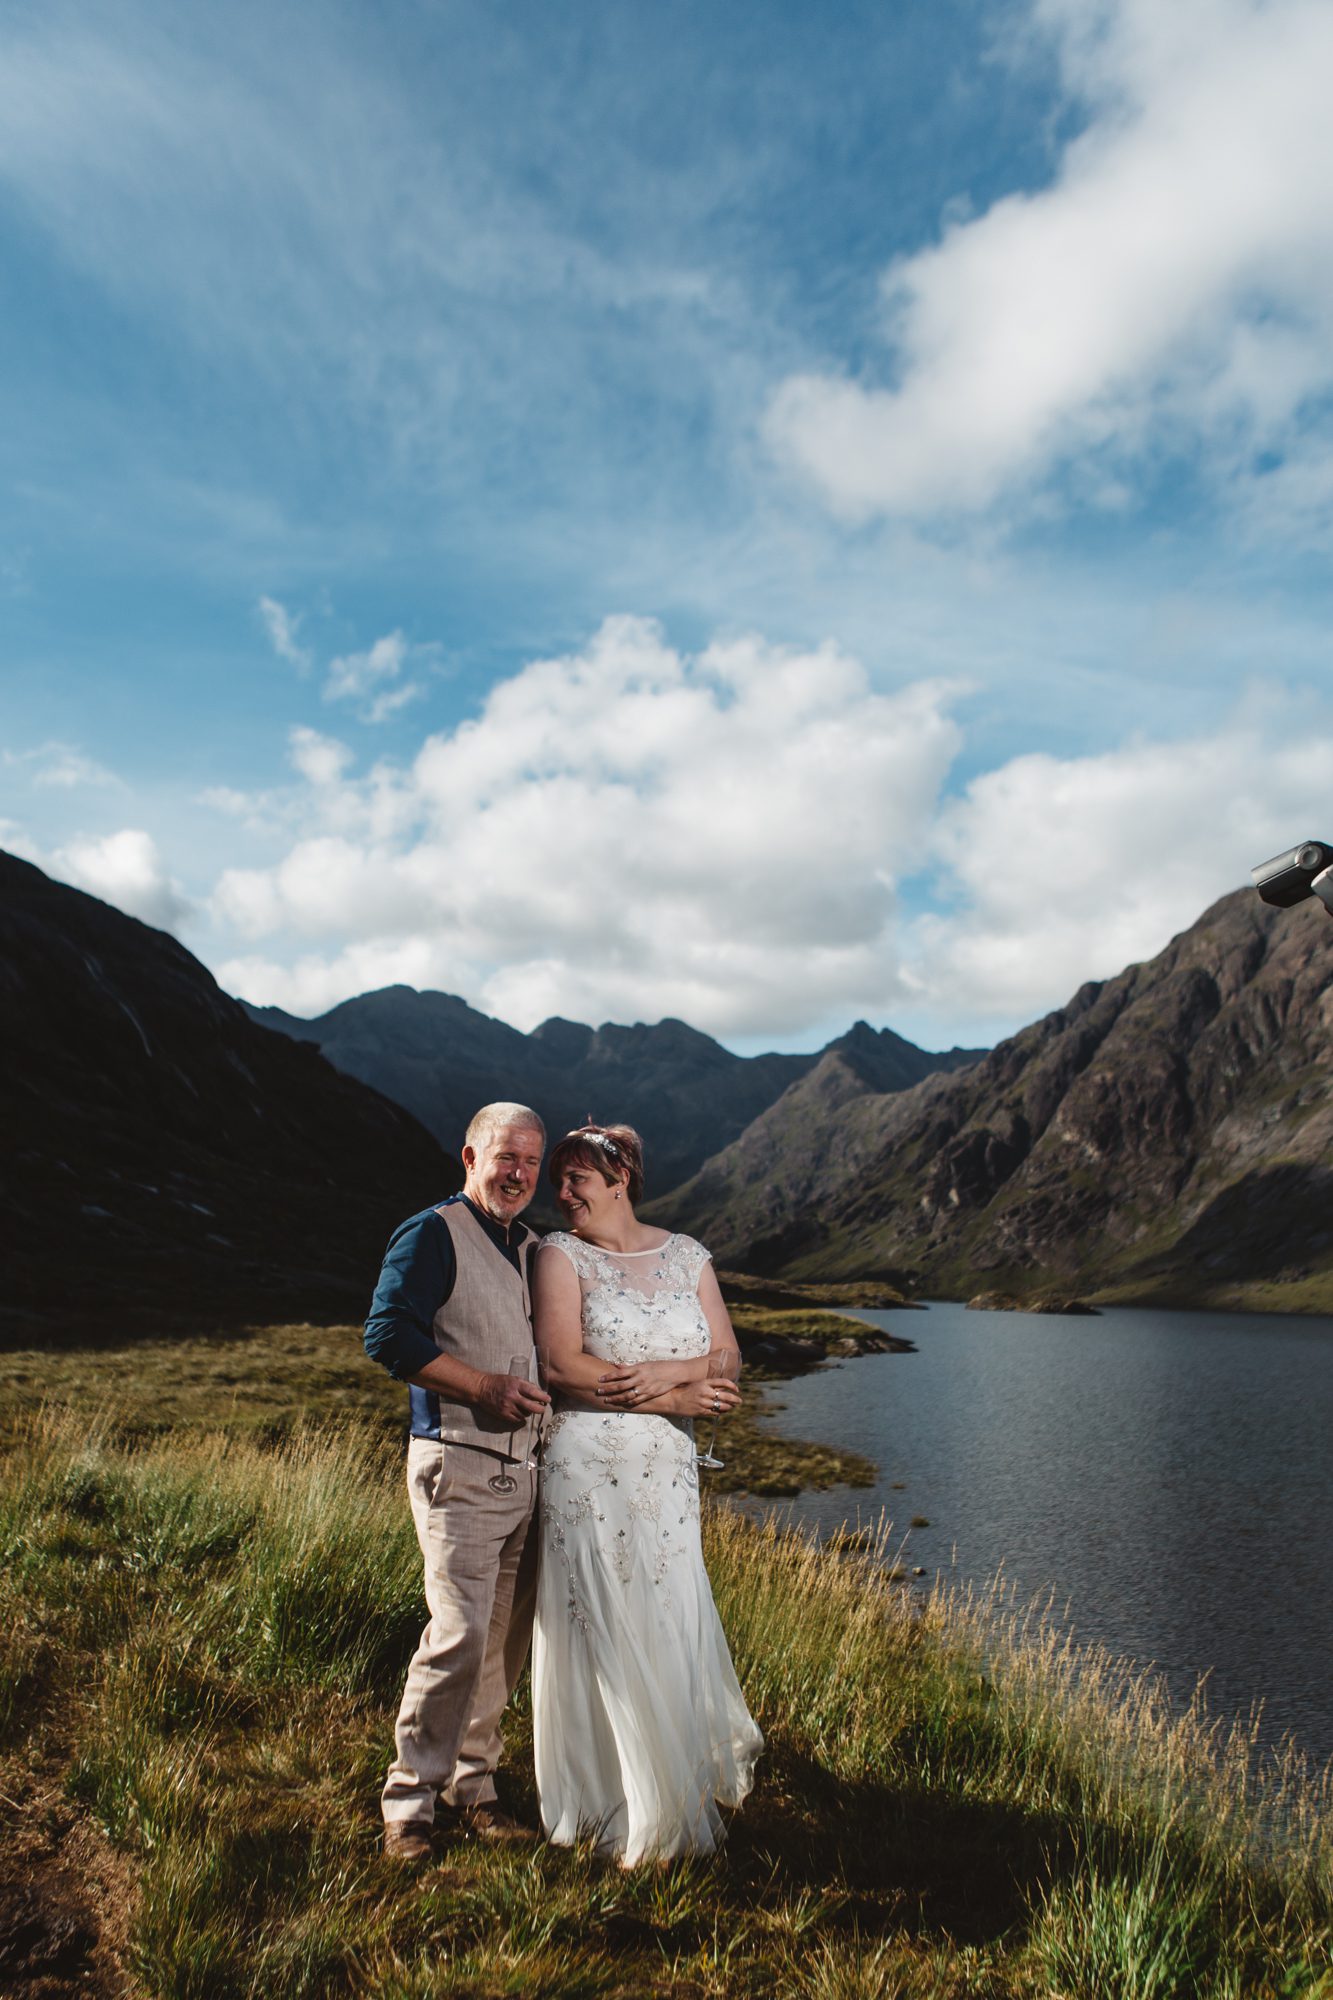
(451, 1317)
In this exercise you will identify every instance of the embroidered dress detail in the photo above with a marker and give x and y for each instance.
(640, 1728)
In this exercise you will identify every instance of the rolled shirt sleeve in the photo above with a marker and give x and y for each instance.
(416, 1278)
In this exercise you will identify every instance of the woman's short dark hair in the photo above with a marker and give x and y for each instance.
(610, 1149)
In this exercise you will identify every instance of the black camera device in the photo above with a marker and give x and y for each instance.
(1289, 878)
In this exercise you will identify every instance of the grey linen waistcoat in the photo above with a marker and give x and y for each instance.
(485, 1321)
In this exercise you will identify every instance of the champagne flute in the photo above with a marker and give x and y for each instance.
(521, 1365)
(504, 1481)
(544, 1416)
(724, 1365)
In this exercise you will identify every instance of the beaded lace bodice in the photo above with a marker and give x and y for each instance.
(624, 1482)
(639, 1305)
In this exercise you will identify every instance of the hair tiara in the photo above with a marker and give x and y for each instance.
(602, 1139)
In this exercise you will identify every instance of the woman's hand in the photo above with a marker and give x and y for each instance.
(623, 1388)
(705, 1399)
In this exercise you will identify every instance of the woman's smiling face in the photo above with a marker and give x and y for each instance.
(585, 1199)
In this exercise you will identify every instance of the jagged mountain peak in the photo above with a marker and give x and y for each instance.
(567, 1040)
(1165, 1134)
(687, 1094)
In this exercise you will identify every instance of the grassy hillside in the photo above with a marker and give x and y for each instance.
(263, 1384)
(202, 1640)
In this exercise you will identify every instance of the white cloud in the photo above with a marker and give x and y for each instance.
(390, 700)
(320, 759)
(313, 983)
(624, 832)
(357, 674)
(125, 869)
(375, 807)
(227, 799)
(14, 840)
(282, 627)
(632, 831)
(1169, 290)
(1069, 869)
(372, 678)
(61, 767)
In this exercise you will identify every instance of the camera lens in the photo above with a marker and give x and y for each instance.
(1309, 856)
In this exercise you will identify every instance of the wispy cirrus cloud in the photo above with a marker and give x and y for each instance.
(1167, 295)
(61, 767)
(372, 681)
(282, 627)
(256, 191)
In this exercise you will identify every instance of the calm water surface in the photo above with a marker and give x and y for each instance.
(1167, 1474)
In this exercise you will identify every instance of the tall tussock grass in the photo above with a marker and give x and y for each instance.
(202, 1642)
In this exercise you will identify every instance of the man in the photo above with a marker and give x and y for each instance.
(451, 1317)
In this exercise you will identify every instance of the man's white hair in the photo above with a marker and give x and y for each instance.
(494, 1117)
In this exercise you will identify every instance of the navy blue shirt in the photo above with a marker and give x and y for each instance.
(417, 1276)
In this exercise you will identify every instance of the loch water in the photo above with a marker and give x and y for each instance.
(1166, 1477)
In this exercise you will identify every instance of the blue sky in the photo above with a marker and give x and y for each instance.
(751, 512)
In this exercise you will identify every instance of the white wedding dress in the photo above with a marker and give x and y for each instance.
(640, 1728)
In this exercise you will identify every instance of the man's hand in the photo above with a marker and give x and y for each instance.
(512, 1398)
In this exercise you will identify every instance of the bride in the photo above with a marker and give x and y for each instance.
(640, 1728)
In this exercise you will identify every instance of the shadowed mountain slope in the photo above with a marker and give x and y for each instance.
(685, 1093)
(165, 1156)
(1165, 1136)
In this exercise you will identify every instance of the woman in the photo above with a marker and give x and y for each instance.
(640, 1729)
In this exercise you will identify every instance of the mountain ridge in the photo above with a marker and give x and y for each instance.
(686, 1094)
(1163, 1137)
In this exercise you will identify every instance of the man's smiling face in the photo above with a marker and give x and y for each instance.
(502, 1171)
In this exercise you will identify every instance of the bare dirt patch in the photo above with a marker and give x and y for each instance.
(66, 1898)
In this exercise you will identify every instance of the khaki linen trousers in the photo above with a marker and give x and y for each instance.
(480, 1553)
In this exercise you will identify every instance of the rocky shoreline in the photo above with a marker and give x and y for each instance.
(1044, 1302)
(785, 1329)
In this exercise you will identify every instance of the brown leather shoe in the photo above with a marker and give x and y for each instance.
(407, 1840)
(486, 1821)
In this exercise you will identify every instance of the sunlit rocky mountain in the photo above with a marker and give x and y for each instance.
(1166, 1136)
